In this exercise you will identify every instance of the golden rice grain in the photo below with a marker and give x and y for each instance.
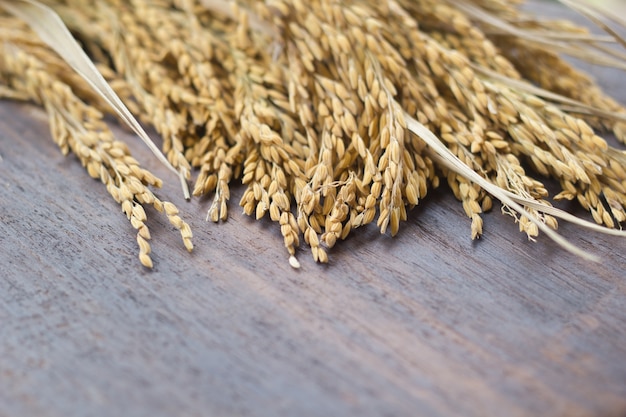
(305, 103)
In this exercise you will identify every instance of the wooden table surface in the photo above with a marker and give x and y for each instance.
(425, 324)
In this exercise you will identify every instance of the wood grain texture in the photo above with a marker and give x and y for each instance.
(428, 323)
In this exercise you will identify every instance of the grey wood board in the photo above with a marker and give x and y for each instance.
(428, 323)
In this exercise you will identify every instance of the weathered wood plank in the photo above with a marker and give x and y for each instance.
(428, 323)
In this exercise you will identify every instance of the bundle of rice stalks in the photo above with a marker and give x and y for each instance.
(333, 114)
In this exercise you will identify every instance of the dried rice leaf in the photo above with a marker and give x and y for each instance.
(596, 15)
(589, 53)
(443, 155)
